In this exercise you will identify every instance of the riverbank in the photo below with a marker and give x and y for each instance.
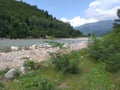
(14, 59)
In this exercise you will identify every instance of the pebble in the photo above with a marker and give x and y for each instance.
(38, 54)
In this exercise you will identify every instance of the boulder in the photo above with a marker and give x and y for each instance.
(22, 70)
(33, 47)
(14, 48)
(10, 74)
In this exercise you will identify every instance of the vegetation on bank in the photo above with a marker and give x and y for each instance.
(94, 68)
(20, 20)
(107, 48)
(91, 76)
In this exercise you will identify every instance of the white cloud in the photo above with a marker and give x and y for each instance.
(103, 9)
(77, 21)
(97, 10)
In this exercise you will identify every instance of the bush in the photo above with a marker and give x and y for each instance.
(2, 72)
(17, 73)
(65, 63)
(99, 49)
(61, 62)
(45, 84)
(73, 68)
(2, 85)
(37, 83)
(113, 64)
(30, 82)
(107, 49)
(30, 65)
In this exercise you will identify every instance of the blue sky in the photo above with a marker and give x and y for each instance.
(62, 8)
(79, 12)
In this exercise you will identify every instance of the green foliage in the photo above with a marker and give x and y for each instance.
(2, 72)
(60, 61)
(30, 65)
(46, 84)
(17, 73)
(96, 80)
(20, 20)
(117, 21)
(63, 63)
(55, 43)
(37, 83)
(30, 82)
(107, 49)
(74, 66)
(113, 64)
(94, 46)
(2, 85)
(92, 77)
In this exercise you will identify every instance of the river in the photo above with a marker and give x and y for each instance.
(7, 43)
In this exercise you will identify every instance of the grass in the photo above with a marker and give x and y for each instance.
(92, 76)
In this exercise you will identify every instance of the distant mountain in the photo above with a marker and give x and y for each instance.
(21, 20)
(98, 28)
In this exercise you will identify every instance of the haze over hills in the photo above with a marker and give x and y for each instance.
(98, 28)
(21, 20)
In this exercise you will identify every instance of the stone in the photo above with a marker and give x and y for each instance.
(10, 74)
(22, 70)
(14, 48)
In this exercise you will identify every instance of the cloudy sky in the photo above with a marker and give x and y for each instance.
(79, 12)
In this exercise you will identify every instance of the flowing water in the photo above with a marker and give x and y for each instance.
(7, 43)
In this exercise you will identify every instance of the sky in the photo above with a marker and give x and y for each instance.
(79, 12)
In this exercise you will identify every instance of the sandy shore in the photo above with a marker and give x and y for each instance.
(16, 58)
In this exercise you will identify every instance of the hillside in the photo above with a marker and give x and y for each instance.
(98, 28)
(20, 20)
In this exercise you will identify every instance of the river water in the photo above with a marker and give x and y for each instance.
(7, 43)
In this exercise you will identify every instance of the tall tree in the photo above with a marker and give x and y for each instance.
(117, 21)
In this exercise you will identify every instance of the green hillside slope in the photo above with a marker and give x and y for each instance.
(20, 20)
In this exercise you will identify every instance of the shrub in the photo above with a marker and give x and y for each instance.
(46, 84)
(73, 68)
(65, 63)
(17, 73)
(30, 65)
(113, 64)
(30, 82)
(2, 72)
(2, 85)
(37, 83)
(106, 49)
(97, 49)
(61, 62)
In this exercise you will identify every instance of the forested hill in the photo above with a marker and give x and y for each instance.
(20, 20)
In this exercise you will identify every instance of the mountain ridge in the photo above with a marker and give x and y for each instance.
(98, 28)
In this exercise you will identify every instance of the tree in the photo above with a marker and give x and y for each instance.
(107, 48)
(117, 21)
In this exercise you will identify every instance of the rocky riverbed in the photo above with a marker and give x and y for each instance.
(16, 56)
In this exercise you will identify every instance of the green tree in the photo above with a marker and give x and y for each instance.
(117, 21)
(107, 48)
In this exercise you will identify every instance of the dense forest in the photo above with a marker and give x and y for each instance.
(20, 20)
